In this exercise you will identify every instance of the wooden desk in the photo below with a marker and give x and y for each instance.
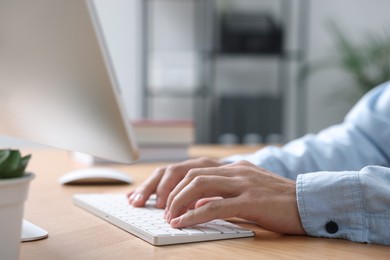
(77, 234)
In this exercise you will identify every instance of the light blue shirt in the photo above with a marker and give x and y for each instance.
(342, 174)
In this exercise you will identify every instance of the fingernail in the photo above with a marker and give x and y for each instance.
(132, 196)
(137, 197)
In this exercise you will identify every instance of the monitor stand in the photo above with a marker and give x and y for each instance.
(31, 232)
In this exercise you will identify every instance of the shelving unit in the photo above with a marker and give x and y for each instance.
(207, 99)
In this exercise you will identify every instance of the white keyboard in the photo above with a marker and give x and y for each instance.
(148, 222)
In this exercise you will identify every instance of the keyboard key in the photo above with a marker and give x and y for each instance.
(192, 231)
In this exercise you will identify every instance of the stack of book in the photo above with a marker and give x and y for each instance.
(164, 140)
(158, 140)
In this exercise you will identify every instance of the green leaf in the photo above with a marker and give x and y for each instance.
(12, 165)
(3, 156)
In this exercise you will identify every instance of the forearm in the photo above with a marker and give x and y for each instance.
(337, 148)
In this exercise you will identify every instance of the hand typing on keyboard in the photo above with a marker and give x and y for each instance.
(200, 190)
(148, 222)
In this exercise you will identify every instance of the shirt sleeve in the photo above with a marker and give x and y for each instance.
(349, 205)
(354, 205)
(361, 140)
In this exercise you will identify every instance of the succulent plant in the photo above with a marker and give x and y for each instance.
(12, 164)
(368, 62)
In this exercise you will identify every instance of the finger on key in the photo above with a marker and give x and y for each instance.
(141, 194)
(172, 176)
(216, 209)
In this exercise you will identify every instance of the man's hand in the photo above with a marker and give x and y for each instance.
(236, 190)
(164, 180)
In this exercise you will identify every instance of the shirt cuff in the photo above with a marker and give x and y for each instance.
(330, 205)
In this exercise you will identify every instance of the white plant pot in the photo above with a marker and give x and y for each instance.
(13, 193)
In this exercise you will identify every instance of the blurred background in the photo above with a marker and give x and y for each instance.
(260, 70)
(247, 71)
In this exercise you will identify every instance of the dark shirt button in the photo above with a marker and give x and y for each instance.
(331, 227)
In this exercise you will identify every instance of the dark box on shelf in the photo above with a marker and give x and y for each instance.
(249, 34)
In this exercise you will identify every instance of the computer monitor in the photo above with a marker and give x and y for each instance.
(57, 85)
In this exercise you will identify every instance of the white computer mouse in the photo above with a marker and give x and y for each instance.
(95, 175)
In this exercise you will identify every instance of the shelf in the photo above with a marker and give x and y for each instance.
(176, 92)
(288, 56)
(207, 112)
